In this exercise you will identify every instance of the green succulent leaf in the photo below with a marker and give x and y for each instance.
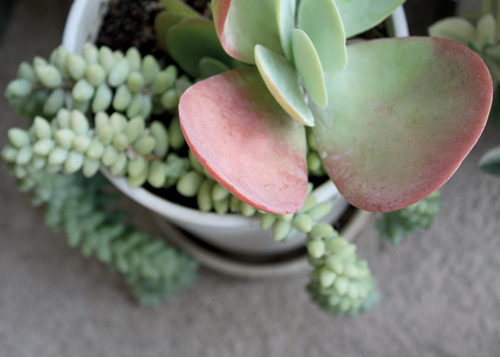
(321, 21)
(180, 8)
(242, 24)
(401, 118)
(361, 15)
(246, 141)
(490, 162)
(164, 21)
(282, 80)
(309, 67)
(193, 39)
(455, 29)
(285, 10)
(210, 67)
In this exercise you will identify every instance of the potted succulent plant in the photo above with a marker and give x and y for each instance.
(278, 96)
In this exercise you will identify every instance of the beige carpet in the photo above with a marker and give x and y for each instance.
(441, 289)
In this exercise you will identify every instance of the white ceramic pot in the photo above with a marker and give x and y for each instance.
(230, 232)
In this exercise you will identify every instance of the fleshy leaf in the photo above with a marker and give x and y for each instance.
(163, 22)
(455, 29)
(490, 162)
(242, 24)
(285, 10)
(191, 40)
(401, 118)
(210, 67)
(486, 30)
(309, 67)
(180, 8)
(282, 80)
(246, 141)
(321, 21)
(361, 15)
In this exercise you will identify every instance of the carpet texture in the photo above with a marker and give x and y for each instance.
(441, 289)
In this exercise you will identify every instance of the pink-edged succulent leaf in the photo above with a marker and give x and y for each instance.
(401, 118)
(285, 10)
(246, 141)
(242, 24)
(193, 39)
(361, 15)
(322, 23)
(282, 80)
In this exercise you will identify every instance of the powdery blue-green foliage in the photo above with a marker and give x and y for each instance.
(394, 226)
(83, 210)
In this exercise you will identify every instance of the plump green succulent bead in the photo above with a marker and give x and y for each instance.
(135, 106)
(76, 66)
(90, 53)
(122, 98)
(176, 138)
(119, 168)
(74, 162)
(62, 118)
(195, 163)
(247, 210)
(24, 155)
(157, 175)
(137, 166)
(109, 156)
(26, 71)
(321, 230)
(315, 248)
(118, 121)
(120, 141)
(219, 192)
(281, 229)
(149, 68)
(135, 82)
(90, 167)
(170, 99)
(57, 156)
(79, 122)
(64, 138)
(302, 223)
(221, 206)
(119, 73)
(144, 145)
(95, 74)
(39, 61)
(102, 98)
(48, 75)
(326, 277)
(134, 58)
(43, 147)
(106, 58)
(147, 106)
(9, 153)
(60, 58)
(159, 132)
(189, 184)
(81, 143)
(18, 137)
(105, 133)
(82, 91)
(267, 220)
(54, 102)
(309, 203)
(134, 128)
(19, 88)
(203, 197)
(38, 162)
(161, 83)
(319, 211)
(95, 150)
(139, 180)
(42, 128)
(234, 204)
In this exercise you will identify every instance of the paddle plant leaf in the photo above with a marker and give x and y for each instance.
(401, 118)
(191, 40)
(242, 24)
(285, 10)
(309, 67)
(321, 21)
(455, 29)
(163, 22)
(180, 8)
(282, 80)
(210, 67)
(361, 15)
(246, 141)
